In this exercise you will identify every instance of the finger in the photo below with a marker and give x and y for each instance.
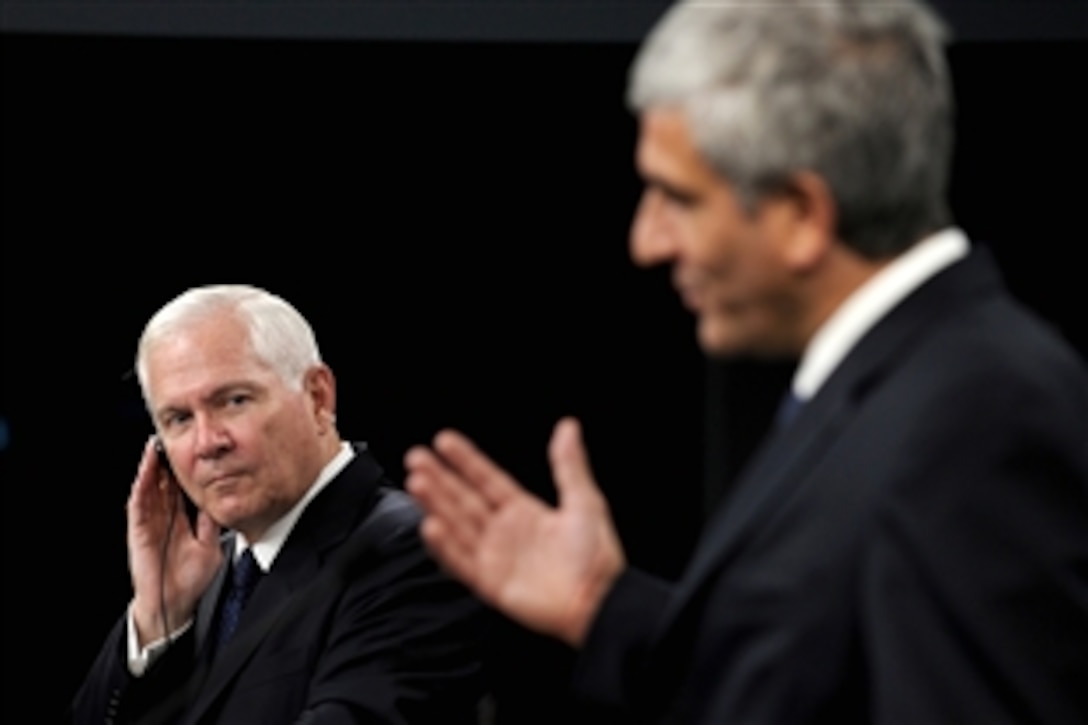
(150, 473)
(145, 473)
(570, 463)
(447, 550)
(207, 531)
(179, 522)
(141, 501)
(446, 497)
(494, 484)
(443, 490)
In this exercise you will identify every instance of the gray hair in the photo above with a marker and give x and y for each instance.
(280, 337)
(855, 91)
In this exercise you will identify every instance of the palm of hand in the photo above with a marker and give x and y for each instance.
(549, 568)
(190, 563)
(171, 565)
(551, 565)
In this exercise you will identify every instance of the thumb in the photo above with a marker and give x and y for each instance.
(570, 462)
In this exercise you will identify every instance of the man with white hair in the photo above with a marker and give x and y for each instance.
(320, 604)
(910, 544)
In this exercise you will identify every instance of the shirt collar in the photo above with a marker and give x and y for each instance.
(268, 547)
(870, 302)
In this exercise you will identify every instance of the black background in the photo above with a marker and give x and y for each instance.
(452, 218)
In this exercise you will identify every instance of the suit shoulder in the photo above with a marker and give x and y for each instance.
(395, 516)
(1000, 355)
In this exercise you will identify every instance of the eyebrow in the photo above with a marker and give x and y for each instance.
(219, 391)
(670, 189)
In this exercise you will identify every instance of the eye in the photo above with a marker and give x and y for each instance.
(174, 419)
(238, 399)
(672, 196)
(680, 199)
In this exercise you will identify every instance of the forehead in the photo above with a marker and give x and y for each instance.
(666, 149)
(201, 356)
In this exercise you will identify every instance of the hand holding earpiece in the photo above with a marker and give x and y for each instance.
(171, 563)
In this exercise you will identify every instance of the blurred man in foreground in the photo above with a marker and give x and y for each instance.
(911, 543)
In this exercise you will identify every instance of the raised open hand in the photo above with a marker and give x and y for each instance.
(548, 568)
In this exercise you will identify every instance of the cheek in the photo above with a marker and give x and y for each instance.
(183, 463)
(191, 491)
(738, 259)
(279, 437)
(717, 264)
(708, 241)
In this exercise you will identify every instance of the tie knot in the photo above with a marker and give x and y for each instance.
(788, 409)
(246, 572)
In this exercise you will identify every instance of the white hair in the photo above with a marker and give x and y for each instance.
(280, 337)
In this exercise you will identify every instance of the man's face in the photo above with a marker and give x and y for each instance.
(244, 446)
(725, 261)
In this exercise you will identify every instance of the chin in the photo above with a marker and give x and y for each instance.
(220, 518)
(228, 514)
(716, 341)
(722, 341)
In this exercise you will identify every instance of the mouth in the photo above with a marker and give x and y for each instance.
(687, 291)
(689, 296)
(220, 480)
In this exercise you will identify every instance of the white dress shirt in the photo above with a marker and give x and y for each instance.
(870, 302)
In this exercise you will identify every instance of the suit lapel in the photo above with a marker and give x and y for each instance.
(780, 469)
(774, 474)
(205, 613)
(325, 523)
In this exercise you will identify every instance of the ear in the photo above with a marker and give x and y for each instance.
(319, 384)
(809, 215)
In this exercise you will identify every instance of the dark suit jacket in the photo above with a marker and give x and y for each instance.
(381, 636)
(913, 548)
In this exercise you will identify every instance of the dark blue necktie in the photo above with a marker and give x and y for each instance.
(787, 410)
(244, 577)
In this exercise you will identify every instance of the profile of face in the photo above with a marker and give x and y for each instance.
(244, 445)
(732, 268)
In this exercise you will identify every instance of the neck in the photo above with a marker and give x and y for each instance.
(329, 445)
(829, 286)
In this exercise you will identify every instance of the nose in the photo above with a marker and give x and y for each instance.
(212, 438)
(651, 241)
